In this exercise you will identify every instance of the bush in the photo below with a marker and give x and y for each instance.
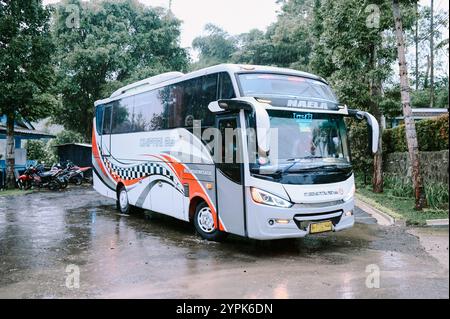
(432, 135)
(66, 137)
(362, 160)
(437, 195)
(46, 152)
(38, 150)
(397, 187)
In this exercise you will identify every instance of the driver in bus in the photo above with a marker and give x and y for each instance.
(305, 144)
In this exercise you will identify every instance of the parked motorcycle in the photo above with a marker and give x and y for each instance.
(73, 173)
(36, 176)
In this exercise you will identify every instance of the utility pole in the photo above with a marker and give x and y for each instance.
(432, 55)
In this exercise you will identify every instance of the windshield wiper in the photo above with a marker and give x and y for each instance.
(286, 169)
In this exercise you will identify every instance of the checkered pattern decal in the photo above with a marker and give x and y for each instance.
(137, 171)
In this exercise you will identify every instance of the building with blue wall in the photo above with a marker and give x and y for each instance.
(23, 131)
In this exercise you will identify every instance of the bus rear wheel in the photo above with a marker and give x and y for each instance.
(204, 224)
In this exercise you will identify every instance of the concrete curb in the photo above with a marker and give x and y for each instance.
(437, 222)
(381, 217)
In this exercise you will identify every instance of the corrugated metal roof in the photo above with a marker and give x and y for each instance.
(77, 144)
(26, 132)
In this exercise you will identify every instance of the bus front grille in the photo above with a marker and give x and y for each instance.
(304, 220)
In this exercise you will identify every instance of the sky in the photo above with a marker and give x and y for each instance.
(234, 16)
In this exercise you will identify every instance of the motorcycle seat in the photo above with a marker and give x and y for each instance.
(46, 174)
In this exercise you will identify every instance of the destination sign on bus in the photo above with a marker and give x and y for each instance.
(304, 104)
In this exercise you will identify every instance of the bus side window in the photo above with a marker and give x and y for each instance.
(208, 95)
(191, 99)
(230, 158)
(99, 119)
(107, 120)
(122, 115)
(226, 90)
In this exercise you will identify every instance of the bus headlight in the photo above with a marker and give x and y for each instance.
(262, 197)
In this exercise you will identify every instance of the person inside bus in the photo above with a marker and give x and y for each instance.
(306, 145)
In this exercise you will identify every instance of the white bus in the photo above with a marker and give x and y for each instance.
(290, 172)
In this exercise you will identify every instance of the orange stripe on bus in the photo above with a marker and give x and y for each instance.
(195, 188)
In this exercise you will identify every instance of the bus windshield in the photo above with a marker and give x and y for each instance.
(261, 85)
(306, 140)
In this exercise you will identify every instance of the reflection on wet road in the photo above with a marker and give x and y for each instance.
(152, 256)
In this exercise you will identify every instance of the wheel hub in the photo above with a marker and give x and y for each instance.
(206, 220)
(123, 199)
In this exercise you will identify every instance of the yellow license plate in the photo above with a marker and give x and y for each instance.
(321, 227)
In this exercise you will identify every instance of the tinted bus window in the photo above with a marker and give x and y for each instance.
(175, 106)
(208, 94)
(148, 112)
(226, 90)
(191, 100)
(99, 119)
(107, 119)
(122, 116)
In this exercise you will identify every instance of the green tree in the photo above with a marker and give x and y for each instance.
(102, 45)
(421, 41)
(214, 48)
(354, 49)
(286, 43)
(291, 34)
(255, 47)
(410, 127)
(26, 73)
(46, 151)
(37, 150)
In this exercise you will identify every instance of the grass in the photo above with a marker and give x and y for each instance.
(399, 207)
(13, 192)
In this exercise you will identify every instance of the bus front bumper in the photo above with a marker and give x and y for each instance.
(266, 222)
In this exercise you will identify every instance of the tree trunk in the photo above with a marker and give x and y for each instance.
(10, 152)
(432, 55)
(410, 126)
(427, 73)
(416, 41)
(375, 92)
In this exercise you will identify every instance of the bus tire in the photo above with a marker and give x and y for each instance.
(204, 224)
(122, 203)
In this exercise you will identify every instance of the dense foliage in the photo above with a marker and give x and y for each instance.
(26, 74)
(432, 135)
(25, 70)
(103, 45)
(45, 150)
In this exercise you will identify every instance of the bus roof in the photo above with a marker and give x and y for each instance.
(174, 77)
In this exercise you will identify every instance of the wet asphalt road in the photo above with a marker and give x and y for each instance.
(44, 234)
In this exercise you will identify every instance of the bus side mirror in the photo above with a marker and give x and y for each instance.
(262, 130)
(261, 115)
(214, 107)
(374, 128)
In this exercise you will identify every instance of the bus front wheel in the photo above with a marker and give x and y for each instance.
(204, 224)
(122, 201)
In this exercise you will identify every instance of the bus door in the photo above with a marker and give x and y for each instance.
(230, 176)
(106, 131)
